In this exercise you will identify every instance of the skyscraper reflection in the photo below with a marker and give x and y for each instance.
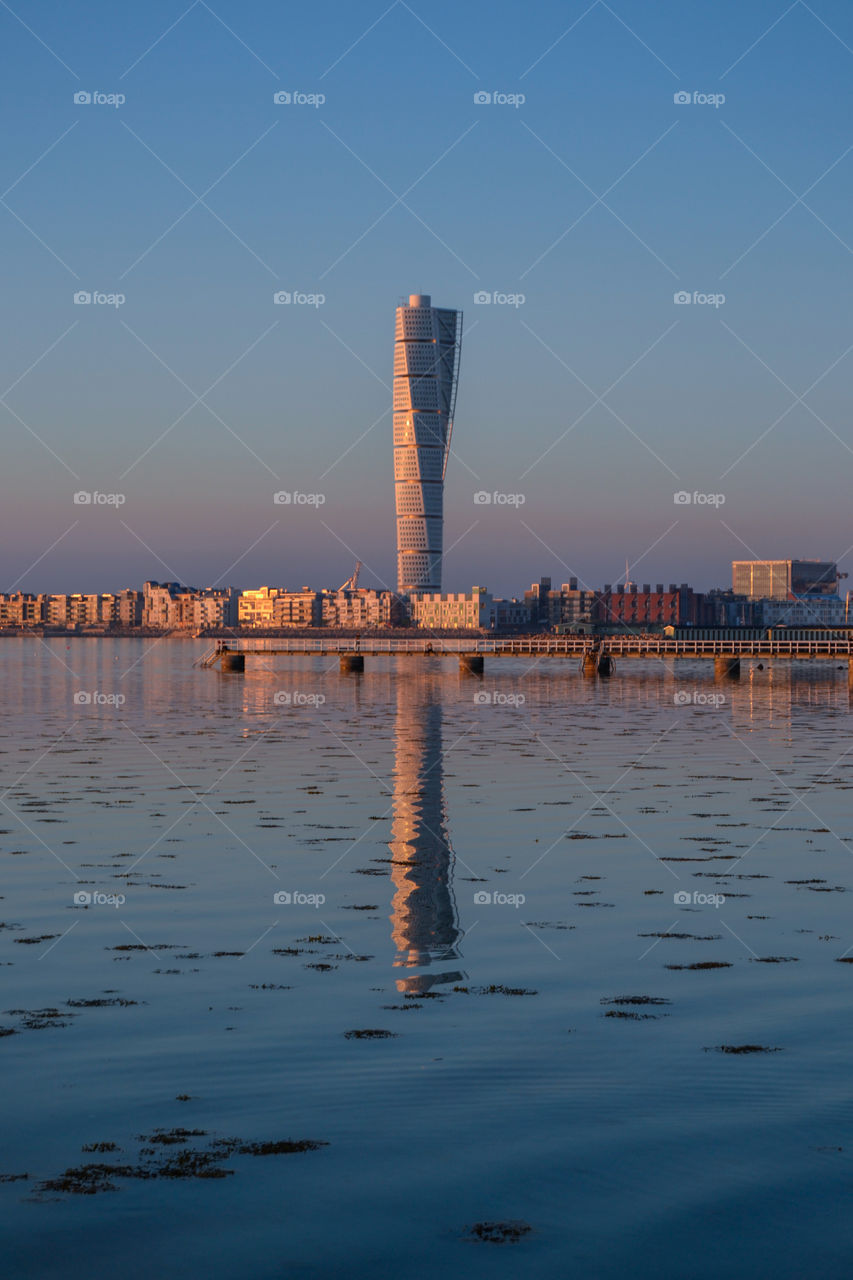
(424, 923)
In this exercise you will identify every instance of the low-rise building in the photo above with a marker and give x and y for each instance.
(360, 607)
(20, 609)
(442, 611)
(168, 606)
(679, 606)
(802, 611)
(275, 608)
(511, 615)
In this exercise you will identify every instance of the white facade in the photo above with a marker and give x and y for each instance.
(426, 367)
(453, 610)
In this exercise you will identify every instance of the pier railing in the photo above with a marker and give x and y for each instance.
(546, 646)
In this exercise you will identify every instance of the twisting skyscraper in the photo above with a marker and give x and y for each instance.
(426, 366)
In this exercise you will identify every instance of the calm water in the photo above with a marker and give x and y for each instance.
(629, 1145)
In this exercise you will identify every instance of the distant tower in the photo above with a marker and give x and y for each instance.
(427, 346)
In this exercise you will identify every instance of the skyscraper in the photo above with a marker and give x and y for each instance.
(427, 345)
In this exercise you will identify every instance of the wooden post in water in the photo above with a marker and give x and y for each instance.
(726, 667)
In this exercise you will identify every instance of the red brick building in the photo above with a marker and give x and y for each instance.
(679, 607)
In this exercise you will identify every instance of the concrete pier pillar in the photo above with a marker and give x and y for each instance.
(352, 662)
(471, 664)
(235, 662)
(605, 665)
(726, 667)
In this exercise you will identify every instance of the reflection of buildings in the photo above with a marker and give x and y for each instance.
(424, 922)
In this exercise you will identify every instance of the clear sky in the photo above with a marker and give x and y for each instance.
(597, 198)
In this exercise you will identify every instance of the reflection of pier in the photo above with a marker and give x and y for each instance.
(424, 923)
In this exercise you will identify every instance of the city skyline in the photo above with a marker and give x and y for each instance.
(235, 341)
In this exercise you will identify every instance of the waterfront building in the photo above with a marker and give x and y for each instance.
(803, 611)
(679, 606)
(168, 606)
(784, 579)
(453, 610)
(361, 607)
(276, 608)
(427, 346)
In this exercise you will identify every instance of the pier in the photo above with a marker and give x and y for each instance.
(471, 652)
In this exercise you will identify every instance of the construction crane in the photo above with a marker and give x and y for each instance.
(352, 582)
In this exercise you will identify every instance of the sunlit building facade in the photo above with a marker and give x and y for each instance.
(427, 346)
(783, 579)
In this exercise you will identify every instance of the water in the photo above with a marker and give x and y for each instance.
(629, 1145)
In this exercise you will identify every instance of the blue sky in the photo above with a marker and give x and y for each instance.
(598, 199)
